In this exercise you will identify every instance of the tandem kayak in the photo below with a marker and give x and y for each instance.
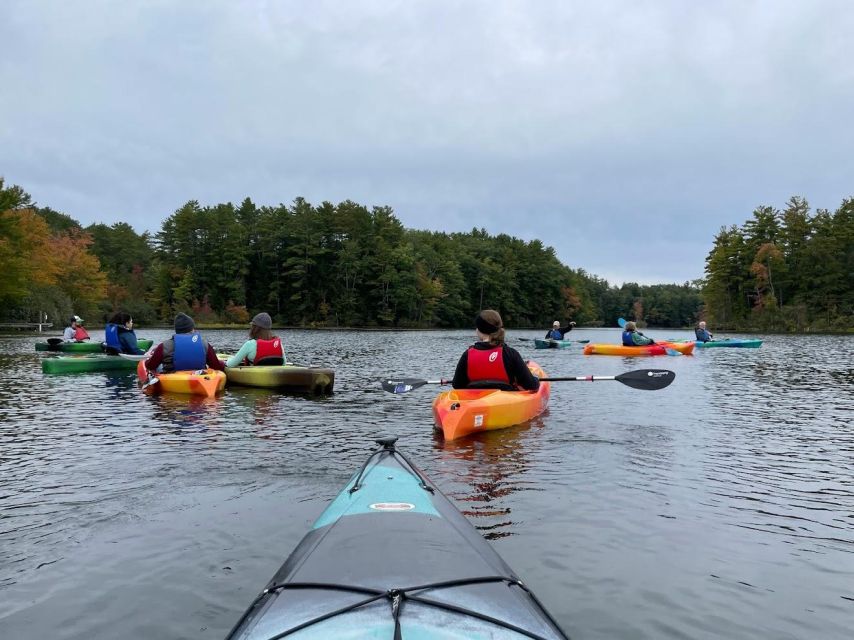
(204, 382)
(391, 557)
(78, 364)
(460, 412)
(85, 347)
(657, 349)
(549, 343)
(314, 380)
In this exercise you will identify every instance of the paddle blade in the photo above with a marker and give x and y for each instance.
(647, 379)
(621, 322)
(672, 352)
(402, 385)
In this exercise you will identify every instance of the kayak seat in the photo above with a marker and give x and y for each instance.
(270, 361)
(491, 384)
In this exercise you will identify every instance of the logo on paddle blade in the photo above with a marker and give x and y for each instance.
(657, 374)
(402, 388)
(392, 506)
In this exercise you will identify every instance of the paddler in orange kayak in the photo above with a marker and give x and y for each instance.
(489, 363)
(185, 351)
(634, 338)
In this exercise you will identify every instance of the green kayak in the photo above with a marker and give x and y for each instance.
(549, 343)
(78, 364)
(733, 343)
(85, 347)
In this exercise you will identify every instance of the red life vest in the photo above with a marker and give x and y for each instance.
(267, 349)
(487, 365)
(81, 334)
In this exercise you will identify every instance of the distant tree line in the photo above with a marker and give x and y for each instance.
(316, 266)
(787, 270)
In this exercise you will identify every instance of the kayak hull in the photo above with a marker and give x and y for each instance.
(205, 382)
(737, 344)
(658, 349)
(86, 347)
(546, 343)
(461, 412)
(388, 531)
(314, 380)
(83, 363)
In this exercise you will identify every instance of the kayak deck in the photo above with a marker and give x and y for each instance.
(85, 347)
(391, 555)
(461, 412)
(85, 363)
(204, 382)
(313, 380)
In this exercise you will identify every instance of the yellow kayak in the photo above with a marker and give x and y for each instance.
(657, 349)
(204, 382)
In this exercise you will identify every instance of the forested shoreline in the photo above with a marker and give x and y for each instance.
(349, 265)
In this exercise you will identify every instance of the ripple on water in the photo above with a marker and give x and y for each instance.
(720, 507)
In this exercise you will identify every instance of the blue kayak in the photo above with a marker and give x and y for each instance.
(391, 557)
(730, 342)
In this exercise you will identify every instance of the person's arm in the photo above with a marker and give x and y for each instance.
(248, 350)
(641, 340)
(461, 374)
(567, 328)
(155, 359)
(518, 371)
(212, 361)
(68, 335)
(129, 344)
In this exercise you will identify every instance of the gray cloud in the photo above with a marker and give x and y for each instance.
(622, 133)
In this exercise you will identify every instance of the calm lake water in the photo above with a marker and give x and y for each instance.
(720, 507)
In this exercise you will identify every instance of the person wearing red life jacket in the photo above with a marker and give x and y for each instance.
(75, 331)
(489, 363)
(262, 348)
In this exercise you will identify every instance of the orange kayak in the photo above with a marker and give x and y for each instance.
(657, 349)
(205, 382)
(460, 412)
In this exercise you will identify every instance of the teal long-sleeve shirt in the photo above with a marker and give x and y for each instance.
(247, 351)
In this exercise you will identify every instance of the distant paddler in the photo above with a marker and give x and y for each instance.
(75, 332)
(702, 333)
(557, 332)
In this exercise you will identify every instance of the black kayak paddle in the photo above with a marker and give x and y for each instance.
(644, 379)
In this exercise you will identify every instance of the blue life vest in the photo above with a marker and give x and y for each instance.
(702, 335)
(555, 334)
(189, 352)
(111, 331)
(627, 339)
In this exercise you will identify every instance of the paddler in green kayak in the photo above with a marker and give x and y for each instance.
(557, 332)
(262, 348)
(75, 332)
(702, 333)
(489, 363)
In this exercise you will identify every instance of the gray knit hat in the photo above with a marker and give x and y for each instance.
(263, 320)
(184, 323)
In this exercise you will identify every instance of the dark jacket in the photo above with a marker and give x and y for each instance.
(517, 370)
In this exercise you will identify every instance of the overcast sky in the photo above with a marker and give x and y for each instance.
(624, 134)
